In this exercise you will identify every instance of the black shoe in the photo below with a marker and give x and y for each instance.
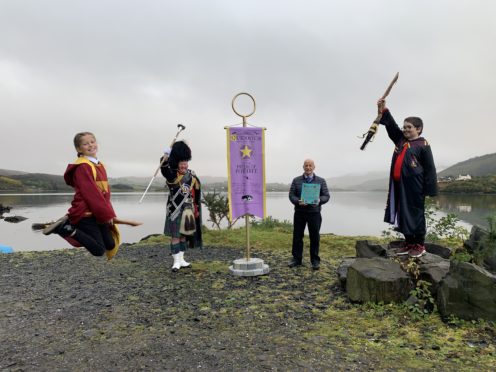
(316, 266)
(66, 230)
(54, 227)
(294, 263)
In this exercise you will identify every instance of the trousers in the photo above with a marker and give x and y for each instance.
(96, 238)
(300, 221)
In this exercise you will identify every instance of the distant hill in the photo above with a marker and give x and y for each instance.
(143, 181)
(29, 182)
(380, 184)
(477, 167)
(360, 182)
(8, 172)
(477, 185)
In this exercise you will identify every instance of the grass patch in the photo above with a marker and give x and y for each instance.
(308, 310)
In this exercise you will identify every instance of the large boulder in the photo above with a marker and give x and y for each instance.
(364, 249)
(377, 280)
(467, 292)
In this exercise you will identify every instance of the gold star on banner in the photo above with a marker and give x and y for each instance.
(246, 151)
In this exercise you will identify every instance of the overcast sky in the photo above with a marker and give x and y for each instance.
(130, 71)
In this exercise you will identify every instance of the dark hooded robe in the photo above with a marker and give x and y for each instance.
(417, 179)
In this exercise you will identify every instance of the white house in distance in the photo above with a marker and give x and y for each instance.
(463, 178)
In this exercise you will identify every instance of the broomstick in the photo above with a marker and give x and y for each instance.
(118, 221)
(375, 125)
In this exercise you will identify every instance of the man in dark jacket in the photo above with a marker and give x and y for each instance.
(306, 213)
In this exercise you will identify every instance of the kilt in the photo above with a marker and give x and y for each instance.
(171, 228)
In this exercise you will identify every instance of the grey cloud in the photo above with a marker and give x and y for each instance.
(131, 70)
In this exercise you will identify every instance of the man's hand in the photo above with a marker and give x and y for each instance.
(301, 203)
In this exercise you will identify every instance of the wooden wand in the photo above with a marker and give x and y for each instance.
(375, 125)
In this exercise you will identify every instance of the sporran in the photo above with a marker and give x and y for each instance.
(188, 225)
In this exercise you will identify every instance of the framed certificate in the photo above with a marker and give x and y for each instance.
(310, 193)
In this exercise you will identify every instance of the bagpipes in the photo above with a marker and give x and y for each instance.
(179, 151)
(369, 135)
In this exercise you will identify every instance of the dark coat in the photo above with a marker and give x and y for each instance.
(406, 197)
(295, 194)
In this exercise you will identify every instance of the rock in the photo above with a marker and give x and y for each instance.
(490, 261)
(421, 304)
(364, 249)
(433, 269)
(395, 244)
(467, 292)
(343, 270)
(150, 236)
(479, 245)
(377, 280)
(438, 250)
(474, 242)
(15, 219)
(4, 209)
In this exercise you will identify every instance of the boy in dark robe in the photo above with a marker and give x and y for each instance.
(412, 178)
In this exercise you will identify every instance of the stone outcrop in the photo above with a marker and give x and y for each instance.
(377, 280)
(467, 292)
(464, 290)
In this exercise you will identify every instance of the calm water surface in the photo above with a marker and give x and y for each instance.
(347, 213)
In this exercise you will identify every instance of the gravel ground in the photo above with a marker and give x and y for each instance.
(66, 310)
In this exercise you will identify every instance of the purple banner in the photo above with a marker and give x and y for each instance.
(246, 171)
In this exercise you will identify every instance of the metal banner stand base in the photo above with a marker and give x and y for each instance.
(250, 267)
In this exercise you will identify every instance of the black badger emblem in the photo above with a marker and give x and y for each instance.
(247, 197)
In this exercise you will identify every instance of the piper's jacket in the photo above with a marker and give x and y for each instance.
(418, 179)
(295, 194)
(192, 189)
(92, 191)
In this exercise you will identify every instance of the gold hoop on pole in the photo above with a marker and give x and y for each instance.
(247, 115)
(247, 217)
